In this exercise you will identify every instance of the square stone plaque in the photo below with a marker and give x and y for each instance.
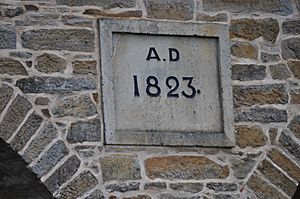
(166, 83)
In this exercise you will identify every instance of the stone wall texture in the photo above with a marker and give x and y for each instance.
(50, 102)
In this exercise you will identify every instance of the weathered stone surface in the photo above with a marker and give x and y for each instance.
(225, 196)
(80, 106)
(187, 187)
(55, 84)
(85, 151)
(20, 54)
(291, 27)
(244, 50)
(262, 189)
(50, 63)
(264, 115)
(279, 71)
(39, 143)
(31, 8)
(218, 186)
(13, 12)
(170, 9)
(155, 186)
(290, 145)
(72, 20)
(248, 72)
(85, 131)
(277, 178)
(123, 187)
(65, 39)
(5, 95)
(273, 134)
(242, 166)
(14, 116)
(11, 67)
(101, 13)
(222, 17)
(259, 94)
(120, 168)
(85, 67)
(41, 101)
(138, 197)
(177, 196)
(295, 96)
(280, 7)
(78, 186)
(97, 194)
(39, 19)
(290, 48)
(269, 57)
(295, 68)
(50, 158)
(250, 136)
(46, 112)
(298, 4)
(285, 163)
(294, 126)
(7, 37)
(31, 125)
(251, 29)
(106, 4)
(62, 174)
(184, 168)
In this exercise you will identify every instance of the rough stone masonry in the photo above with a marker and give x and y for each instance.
(51, 114)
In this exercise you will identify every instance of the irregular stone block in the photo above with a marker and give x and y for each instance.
(170, 9)
(80, 106)
(295, 68)
(62, 174)
(97, 194)
(85, 67)
(39, 19)
(50, 63)
(82, 183)
(14, 116)
(155, 186)
(5, 95)
(222, 17)
(260, 94)
(268, 57)
(7, 37)
(225, 196)
(85, 131)
(11, 67)
(101, 13)
(177, 196)
(50, 158)
(138, 197)
(244, 50)
(123, 187)
(41, 101)
(294, 126)
(264, 115)
(31, 125)
(72, 20)
(31, 8)
(39, 143)
(187, 187)
(55, 84)
(290, 145)
(242, 166)
(220, 187)
(120, 168)
(65, 39)
(290, 48)
(13, 12)
(279, 71)
(184, 168)
(105, 4)
(251, 29)
(291, 27)
(20, 54)
(273, 134)
(250, 136)
(248, 72)
(295, 96)
(280, 7)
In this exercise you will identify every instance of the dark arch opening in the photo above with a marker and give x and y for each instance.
(17, 181)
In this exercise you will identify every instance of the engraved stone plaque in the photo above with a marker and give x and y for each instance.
(166, 83)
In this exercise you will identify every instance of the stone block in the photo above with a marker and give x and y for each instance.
(14, 116)
(177, 196)
(244, 50)
(97, 194)
(20, 54)
(155, 186)
(290, 48)
(50, 63)
(187, 187)
(290, 145)
(250, 136)
(39, 19)
(56, 84)
(264, 115)
(85, 67)
(101, 13)
(123, 187)
(105, 4)
(222, 17)
(242, 166)
(269, 57)
(273, 132)
(294, 66)
(259, 94)
(13, 12)
(73, 20)
(6, 93)
(294, 126)
(184, 168)
(295, 96)
(62, 174)
(279, 71)
(65, 39)
(7, 37)
(248, 72)
(220, 187)
(85, 131)
(291, 27)
(138, 197)
(170, 9)
(11, 67)
(31, 8)
(41, 101)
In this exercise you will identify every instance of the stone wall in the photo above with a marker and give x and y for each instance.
(50, 104)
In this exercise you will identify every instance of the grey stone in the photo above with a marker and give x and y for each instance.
(294, 67)
(50, 158)
(5, 95)
(39, 143)
(291, 27)
(46, 112)
(298, 4)
(187, 187)
(41, 101)
(106, 4)
(138, 197)
(155, 186)
(123, 187)
(82, 183)
(220, 187)
(268, 57)
(294, 126)
(80, 106)
(279, 71)
(290, 48)
(177, 196)
(248, 72)
(62, 174)
(20, 54)
(264, 115)
(13, 12)
(31, 125)
(7, 37)
(225, 196)
(11, 67)
(35, 19)
(222, 17)
(16, 113)
(290, 145)
(280, 7)
(65, 39)
(72, 20)
(55, 84)
(50, 63)
(86, 151)
(84, 131)
(85, 67)
(242, 166)
(97, 194)
(31, 8)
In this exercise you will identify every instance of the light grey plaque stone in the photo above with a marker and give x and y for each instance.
(166, 83)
